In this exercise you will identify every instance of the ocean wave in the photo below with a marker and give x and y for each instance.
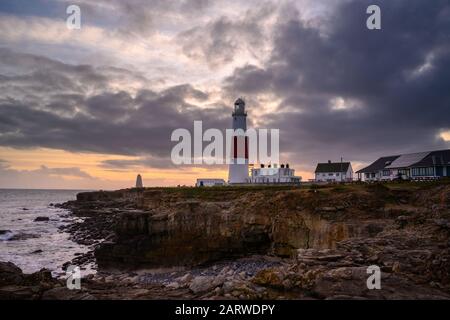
(6, 235)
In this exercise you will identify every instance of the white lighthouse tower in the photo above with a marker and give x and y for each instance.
(238, 171)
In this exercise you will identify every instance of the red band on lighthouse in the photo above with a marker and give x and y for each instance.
(240, 152)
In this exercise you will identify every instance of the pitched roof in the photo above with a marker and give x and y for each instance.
(379, 164)
(420, 159)
(407, 160)
(332, 167)
(440, 157)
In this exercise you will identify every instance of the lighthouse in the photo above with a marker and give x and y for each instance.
(238, 170)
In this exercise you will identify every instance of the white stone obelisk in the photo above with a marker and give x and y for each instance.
(139, 183)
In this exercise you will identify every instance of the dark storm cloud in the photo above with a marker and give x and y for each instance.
(37, 74)
(389, 87)
(146, 128)
(63, 115)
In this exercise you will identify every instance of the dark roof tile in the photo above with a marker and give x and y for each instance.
(441, 157)
(332, 167)
(378, 164)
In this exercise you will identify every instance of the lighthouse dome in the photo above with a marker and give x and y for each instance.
(239, 107)
(239, 102)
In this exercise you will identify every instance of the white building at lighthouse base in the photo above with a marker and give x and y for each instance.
(274, 175)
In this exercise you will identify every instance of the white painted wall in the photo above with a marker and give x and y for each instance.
(273, 175)
(335, 176)
(238, 169)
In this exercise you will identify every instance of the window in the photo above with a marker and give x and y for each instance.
(337, 174)
(423, 171)
(367, 175)
(330, 174)
(386, 173)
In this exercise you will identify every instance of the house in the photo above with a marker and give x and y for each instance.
(376, 171)
(334, 172)
(411, 166)
(274, 174)
(209, 182)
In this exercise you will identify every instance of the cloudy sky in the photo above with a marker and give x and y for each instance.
(91, 108)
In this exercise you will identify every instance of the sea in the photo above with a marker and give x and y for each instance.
(33, 245)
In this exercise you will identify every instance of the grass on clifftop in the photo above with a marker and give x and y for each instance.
(221, 191)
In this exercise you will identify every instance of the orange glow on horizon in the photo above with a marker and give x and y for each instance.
(32, 159)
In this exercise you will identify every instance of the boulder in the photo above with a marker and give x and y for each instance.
(186, 278)
(268, 277)
(202, 284)
(10, 274)
(14, 285)
(173, 285)
(41, 219)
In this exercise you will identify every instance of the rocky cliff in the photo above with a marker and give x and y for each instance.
(257, 243)
(190, 226)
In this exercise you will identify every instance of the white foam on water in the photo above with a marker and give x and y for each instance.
(6, 236)
(36, 244)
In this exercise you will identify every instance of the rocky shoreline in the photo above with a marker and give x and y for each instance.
(255, 243)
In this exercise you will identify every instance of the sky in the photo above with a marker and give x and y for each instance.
(90, 108)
